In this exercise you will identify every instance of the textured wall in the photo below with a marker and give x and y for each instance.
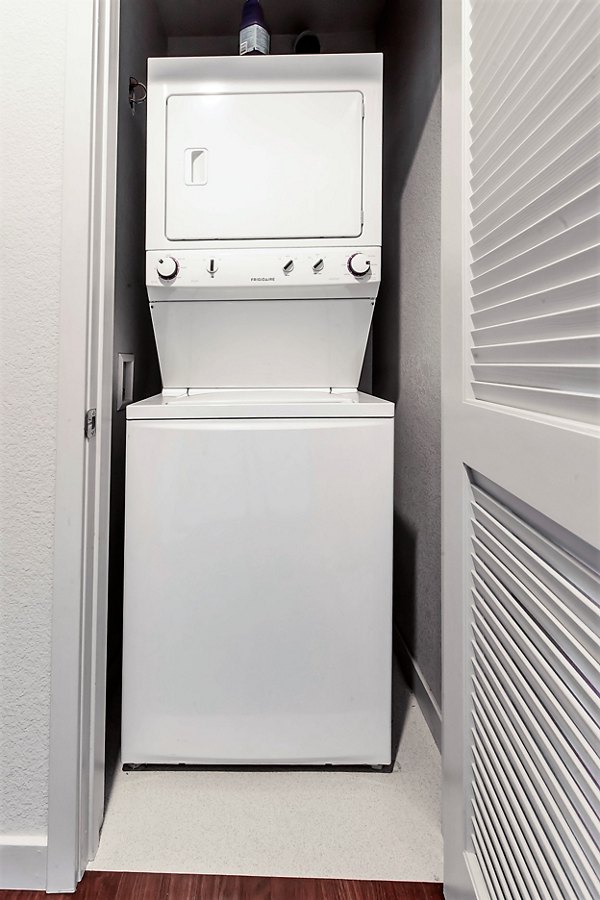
(406, 346)
(141, 36)
(32, 68)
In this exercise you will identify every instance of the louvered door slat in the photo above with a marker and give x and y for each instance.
(573, 720)
(519, 27)
(562, 865)
(535, 209)
(570, 240)
(486, 32)
(577, 90)
(582, 608)
(585, 264)
(489, 861)
(535, 177)
(576, 612)
(576, 720)
(503, 856)
(564, 628)
(508, 789)
(533, 205)
(524, 167)
(570, 65)
(501, 793)
(531, 721)
(575, 298)
(515, 846)
(533, 28)
(506, 247)
(571, 568)
(580, 324)
(583, 379)
(499, 73)
(532, 76)
(483, 30)
(535, 669)
(563, 350)
(488, 724)
(572, 841)
(565, 405)
(572, 323)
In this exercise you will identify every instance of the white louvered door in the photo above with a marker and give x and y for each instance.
(521, 448)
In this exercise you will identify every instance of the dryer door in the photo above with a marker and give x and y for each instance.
(264, 166)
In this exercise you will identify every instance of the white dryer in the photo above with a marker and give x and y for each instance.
(258, 547)
(263, 220)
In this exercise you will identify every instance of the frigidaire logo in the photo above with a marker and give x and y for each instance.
(262, 279)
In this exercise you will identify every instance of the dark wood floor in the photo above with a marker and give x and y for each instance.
(139, 886)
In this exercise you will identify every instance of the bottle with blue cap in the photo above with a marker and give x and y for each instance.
(254, 34)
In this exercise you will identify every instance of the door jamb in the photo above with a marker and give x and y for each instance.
(78, 645)
(459, 874)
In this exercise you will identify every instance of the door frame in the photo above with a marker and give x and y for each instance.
(79, 610)
(78, 642)
(453, 277)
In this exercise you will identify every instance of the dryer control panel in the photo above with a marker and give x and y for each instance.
(292, 273)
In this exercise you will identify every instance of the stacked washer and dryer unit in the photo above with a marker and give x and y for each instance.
(258, 549)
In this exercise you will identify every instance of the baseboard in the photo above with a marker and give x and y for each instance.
(23, 862)
(418, 684)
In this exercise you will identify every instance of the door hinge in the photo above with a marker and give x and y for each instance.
(90, 423)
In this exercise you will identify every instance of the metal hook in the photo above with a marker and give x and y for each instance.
(134, 99)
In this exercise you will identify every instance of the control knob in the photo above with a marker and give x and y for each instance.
(167, 268)
(359, 265)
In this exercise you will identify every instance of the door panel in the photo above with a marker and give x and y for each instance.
(521, 452)
(284, 165)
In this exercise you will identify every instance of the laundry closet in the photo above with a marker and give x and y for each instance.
(344, 807)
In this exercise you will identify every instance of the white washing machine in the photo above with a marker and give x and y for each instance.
(258, 579)
(258, 547)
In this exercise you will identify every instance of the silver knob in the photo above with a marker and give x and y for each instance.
(318, 266)
(289, 266)
(212, 266)
(167, 268)
(359, 265)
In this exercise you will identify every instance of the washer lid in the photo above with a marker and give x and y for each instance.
(260, 404)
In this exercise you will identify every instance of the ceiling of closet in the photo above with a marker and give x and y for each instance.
(222, 17)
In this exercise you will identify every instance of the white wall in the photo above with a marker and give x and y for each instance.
(32, 72)
(406, 344)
